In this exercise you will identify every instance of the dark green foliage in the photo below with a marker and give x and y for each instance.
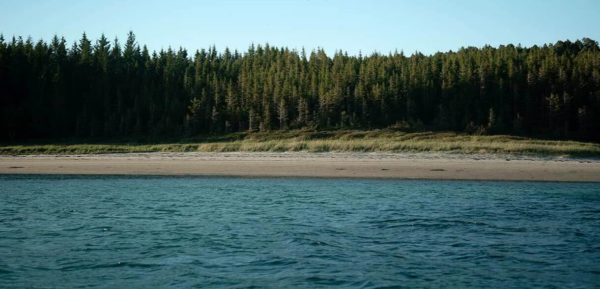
(101, 90)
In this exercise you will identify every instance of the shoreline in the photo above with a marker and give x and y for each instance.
(425, 166)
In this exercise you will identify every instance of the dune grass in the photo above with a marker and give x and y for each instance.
(335, 141)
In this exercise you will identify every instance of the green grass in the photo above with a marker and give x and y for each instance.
(332, 141)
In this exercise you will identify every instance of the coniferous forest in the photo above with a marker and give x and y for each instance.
(107, 90)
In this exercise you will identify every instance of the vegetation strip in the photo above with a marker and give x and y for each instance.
(336, 141)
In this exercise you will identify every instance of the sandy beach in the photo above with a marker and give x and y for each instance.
(321, 165)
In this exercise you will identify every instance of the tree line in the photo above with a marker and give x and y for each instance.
(104, 90)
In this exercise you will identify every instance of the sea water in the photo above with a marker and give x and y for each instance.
(181, 232)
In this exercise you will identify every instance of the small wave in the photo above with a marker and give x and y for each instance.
(491, 255)
(138, 265)
(119, 264)
(325, 281)
(73, 229)
(426, 222)
(166, 211)
(163, 246)
(534, 261)
(6, 271)
(277, 262)
(589, 211)
(591, 250)
(513, 230)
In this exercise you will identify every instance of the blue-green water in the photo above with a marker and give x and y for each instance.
(147, 232)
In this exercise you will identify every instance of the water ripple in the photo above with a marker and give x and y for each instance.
(253, 233)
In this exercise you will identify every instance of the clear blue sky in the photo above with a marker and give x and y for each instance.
(369, 25)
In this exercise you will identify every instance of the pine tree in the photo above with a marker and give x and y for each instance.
(106, 91)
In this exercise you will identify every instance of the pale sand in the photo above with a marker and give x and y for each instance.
(322, 165)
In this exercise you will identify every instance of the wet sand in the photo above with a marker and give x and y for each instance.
(321, 165)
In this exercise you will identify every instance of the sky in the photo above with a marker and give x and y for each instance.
(354, 26)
